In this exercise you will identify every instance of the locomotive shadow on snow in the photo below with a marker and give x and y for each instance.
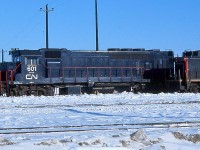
(90, 113)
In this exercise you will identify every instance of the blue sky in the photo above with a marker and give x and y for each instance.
(149, 24)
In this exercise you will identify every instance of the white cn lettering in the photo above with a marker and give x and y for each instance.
(31, 76)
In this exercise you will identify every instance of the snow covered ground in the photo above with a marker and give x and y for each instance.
(103, 121)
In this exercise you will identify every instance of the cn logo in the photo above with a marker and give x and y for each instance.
(31, 76)
(31, 73)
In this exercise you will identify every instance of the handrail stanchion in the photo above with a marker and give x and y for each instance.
(131, 74)
(110, 74)
(87, 73)
(75, 74)
(7, 88)
(63, 73)
(11, 78)
(141, 73)
(98, 74)
(50, 75)
(122, 73)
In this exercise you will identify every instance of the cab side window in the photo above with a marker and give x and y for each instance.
(31, 61)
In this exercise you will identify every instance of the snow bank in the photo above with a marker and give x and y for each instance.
(95, 111)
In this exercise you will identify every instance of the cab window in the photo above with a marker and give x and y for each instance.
(31, 61)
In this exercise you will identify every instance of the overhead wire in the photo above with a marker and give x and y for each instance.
(28, 28)
(23, 28)
(57, 3)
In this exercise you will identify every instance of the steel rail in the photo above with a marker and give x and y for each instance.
(103, 105)
(100, 127)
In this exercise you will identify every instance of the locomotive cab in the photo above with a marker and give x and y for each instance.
(188, 71)
(28, 67)
(27, 76)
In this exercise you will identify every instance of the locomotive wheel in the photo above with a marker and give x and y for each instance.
(193, 89)
(40, 93)
(21, 92)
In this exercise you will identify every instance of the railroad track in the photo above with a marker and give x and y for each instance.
(105, 105)
(84, 128)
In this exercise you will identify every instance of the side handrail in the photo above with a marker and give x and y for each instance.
(86, 71)
(12, 71)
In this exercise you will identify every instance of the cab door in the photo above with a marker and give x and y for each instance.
(53, 68)
(181, 68)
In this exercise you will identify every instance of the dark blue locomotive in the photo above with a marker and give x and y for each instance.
(62, 71)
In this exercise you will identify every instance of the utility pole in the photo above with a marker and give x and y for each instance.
(96, 19)
(47, 26)
(2, 55)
